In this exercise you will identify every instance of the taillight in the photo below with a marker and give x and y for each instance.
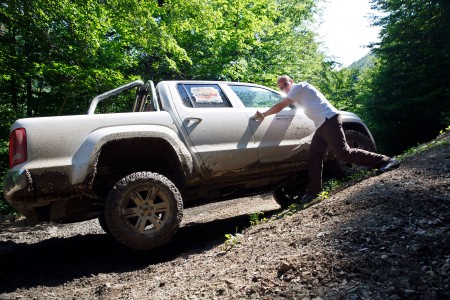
(17, 147)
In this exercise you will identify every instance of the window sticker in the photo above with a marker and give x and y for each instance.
(284, 117)
(206, 94)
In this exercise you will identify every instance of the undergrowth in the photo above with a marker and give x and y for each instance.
(231, 240)
(257, 218)
(438, 142)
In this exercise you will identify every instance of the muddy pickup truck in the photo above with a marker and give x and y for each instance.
(181, 144)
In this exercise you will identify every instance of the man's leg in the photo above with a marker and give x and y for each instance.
(333, 133)
(316, 155)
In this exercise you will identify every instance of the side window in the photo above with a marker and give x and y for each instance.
(202, 95)
(252, 96)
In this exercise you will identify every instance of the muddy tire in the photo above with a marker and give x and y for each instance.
(341, 169)
(286, 196)
(143, 210)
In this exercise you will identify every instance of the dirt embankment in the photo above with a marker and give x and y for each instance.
(386, 237)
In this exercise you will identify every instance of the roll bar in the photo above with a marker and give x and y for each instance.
(111, 93)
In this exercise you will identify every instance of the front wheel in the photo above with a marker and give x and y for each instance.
(285, 196)
(143, 210)
(340, 169)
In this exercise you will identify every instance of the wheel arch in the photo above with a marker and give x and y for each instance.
(360, 127)
(119, 158)
(115, 145)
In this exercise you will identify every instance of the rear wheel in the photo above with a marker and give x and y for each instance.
(143, 210)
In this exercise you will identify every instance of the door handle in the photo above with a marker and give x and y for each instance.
(194, 119)
(255, 119)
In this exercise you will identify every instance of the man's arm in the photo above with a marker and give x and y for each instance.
(274, 109)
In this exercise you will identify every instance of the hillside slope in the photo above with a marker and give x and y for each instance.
(385, 237)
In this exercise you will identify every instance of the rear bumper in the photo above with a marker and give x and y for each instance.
(25, 189)
(17, 184)
(49, 196)
(18, 191)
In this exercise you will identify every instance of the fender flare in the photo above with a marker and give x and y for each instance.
(85, 160)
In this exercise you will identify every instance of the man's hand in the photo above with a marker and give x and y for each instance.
(273, 110)
(259, 116)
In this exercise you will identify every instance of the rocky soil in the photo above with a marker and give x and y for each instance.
(384, 237)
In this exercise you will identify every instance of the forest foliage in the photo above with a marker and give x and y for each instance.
(57, 55)
(407, 99)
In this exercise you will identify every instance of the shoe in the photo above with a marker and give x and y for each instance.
(307, 198)
(388, 166)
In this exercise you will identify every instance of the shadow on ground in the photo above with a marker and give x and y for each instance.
(58, 260)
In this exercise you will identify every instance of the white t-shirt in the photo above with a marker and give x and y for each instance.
(314, 103)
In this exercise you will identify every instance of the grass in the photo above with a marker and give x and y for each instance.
(231, 240)
(426, 146)
(257, 218)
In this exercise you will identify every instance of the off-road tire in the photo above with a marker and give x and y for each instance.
(285, 196)
(340, 169)
(143, 210)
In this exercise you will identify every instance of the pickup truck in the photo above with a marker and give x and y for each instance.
(180, 144)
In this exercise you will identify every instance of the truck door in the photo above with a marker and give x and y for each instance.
(220, 133)
(281, 139)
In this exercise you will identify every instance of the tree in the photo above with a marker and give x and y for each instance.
(59, 54)
(410, 91)
(339, 86)
(244, 40)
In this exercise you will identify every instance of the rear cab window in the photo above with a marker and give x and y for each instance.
(202, 95)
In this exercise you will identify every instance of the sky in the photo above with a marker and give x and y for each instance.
(345, 30)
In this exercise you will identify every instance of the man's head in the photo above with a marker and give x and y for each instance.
(285, 83)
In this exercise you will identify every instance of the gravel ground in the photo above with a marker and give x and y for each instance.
(384, 237)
